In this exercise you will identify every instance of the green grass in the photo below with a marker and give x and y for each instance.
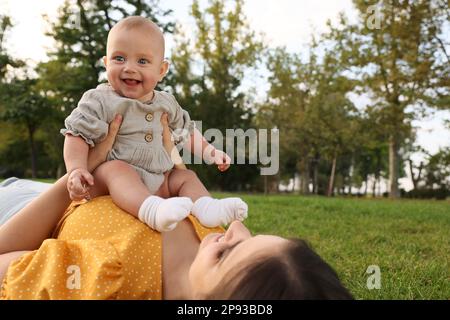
(409, 240)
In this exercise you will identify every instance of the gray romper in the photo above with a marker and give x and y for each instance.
(139, 141)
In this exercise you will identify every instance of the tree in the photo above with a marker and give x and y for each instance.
(24, 106)
(5, 59)
(285, 107)
(403, 60)
(307, 100)
(437, 170)
(371, 155)
(207, 77)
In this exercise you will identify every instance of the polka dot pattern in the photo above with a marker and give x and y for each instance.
(101, 252)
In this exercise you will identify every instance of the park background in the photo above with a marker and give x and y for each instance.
(361, 102)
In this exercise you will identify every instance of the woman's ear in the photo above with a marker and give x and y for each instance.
(164, 69)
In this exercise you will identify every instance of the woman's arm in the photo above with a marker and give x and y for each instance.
(33, 224)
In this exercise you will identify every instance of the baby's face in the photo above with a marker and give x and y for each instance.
(135, 62)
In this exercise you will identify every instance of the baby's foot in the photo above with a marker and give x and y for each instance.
(164, 214)
(214, 212)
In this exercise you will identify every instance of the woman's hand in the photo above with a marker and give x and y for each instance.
(98, 154)
(168, 144)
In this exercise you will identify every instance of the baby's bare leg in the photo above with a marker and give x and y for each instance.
(185, 183)
(122, 182)
(130, 193)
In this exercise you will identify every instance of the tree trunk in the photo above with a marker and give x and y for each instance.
(379, 185)
(304, 176)
(331, 183)
(276, 184)
(33, 152)
(316, 179)
(366, 185)
(393, 167)
(415, 180)
(374, 186)
(265, 185)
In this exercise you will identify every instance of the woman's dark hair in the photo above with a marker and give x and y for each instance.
(296, 273)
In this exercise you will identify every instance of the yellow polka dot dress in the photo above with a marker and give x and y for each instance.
(100, 252)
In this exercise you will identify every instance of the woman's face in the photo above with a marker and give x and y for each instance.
(220, 253)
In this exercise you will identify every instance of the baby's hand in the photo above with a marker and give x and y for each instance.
(222, 160)
(78, 184)
(218, 157)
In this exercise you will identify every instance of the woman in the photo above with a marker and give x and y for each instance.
(101, 252)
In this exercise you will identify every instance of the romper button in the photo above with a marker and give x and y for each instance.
(149, 137)
(149, 117)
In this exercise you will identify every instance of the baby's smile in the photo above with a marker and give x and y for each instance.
(131, 82)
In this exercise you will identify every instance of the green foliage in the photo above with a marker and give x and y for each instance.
(5, 59)
(25, 108)
(401, 60)
(226, 48)
(438, 170)
(307, 101)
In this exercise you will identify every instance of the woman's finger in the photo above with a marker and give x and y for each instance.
(164, 119)
(114, 126)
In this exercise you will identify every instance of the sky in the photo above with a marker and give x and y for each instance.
(288, 23)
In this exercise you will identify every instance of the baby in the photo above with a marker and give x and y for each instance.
(135, 64)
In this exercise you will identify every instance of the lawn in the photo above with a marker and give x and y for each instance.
(408, 240)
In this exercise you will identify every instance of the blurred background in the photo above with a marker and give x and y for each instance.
(359, 90)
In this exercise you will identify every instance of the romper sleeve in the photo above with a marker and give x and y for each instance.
(88, 119)
(179, 121)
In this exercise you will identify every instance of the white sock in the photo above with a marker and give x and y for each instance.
(164, 214)
(215, 212)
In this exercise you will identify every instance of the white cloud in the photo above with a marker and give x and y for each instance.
(291, 23)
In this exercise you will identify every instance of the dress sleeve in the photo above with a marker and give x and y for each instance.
(180, 122)
(65, 269)
(88, 120)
